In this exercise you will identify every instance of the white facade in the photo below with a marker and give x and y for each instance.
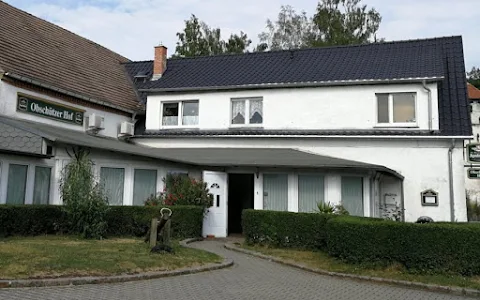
(473, 185)
(340, 107)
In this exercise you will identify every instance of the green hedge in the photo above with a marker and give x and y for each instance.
(122, 220)
(285, 229)
(187, 221)
(427, 248)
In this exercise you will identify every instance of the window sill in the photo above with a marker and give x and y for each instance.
(246, 125)
(179, 127)
(400, 126)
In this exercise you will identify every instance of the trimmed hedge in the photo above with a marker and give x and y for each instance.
(426, 248)
(187, 221)
(285, 229)
(24, 220)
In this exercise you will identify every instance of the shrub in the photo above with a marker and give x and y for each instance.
(328, 208)
(425, 248)
(187, 221)
(285, 229)
(30, 220)
(182, 190)
(83, 198)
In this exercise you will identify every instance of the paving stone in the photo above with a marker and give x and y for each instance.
(249, 278)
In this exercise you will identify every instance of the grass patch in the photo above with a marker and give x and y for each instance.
(321, 260)
(66, 256)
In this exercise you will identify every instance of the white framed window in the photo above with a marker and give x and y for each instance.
(17, 183)
(311, 191)
(41, 187)
(112, 181)
(247, 111)
(397, 109)
(144, 185)
(180, 113)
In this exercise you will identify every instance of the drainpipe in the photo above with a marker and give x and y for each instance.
(450, 180)
(429, 91)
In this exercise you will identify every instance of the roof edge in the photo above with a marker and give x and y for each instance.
(296, 84)
(66, 92)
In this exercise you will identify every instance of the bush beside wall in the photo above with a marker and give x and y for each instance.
(285, 229)
(24, 220)
(426, 248)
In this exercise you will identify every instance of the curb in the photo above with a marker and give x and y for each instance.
(431, 287)
(117, 278)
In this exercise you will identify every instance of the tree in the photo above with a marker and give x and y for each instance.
(343, 22)
(199, 39)
(474, 77)
(290, 31)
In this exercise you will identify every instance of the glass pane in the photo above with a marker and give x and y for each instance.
(144, 185)
(238, 112)
(17, 183)
(41, 188)
(275, 192)
(404, 108)
(352, 195)
(190, 113)
(382, 108)
(170, 114)
(112, 181)
(256, 111)
(310, 192)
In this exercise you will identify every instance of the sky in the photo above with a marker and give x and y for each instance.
(133, 27)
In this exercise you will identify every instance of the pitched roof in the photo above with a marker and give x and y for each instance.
(473, 92)
(435, 59)
(41, 51)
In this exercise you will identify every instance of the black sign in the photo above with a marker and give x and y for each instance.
(473, 173)
(47, 109)
(473, 152)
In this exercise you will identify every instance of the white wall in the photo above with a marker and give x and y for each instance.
(8, 107)
(423, 163)
(340, 107)
(473, 185)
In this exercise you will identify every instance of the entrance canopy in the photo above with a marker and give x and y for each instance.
(265, 157)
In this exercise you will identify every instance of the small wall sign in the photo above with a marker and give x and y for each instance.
(473, 152)
(429, 198)
(473, 173)
(51, 110)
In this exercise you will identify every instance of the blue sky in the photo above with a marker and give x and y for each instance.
(133, 27)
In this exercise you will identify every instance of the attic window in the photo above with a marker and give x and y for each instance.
(398, 109)
(140, 77)
(247, 111)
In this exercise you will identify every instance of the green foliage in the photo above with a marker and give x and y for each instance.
(83, 198)
(199, 39)
(285, 229)
(336, 22)
(344, 22)
(187, 221)
(31, 220)
(328, 208)
(474, 77)
(182, 190)
(291, 30)
(424, 248)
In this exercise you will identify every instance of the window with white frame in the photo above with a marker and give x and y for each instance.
(144, 185)
(181, 113)
(247, 111)
(113, 180)
(41, 186)
(396, 109)
(17, 183)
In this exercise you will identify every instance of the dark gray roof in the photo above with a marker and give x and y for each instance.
(437, 59)
(282, 132)
(19, 140)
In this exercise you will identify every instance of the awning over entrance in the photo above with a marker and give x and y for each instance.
(265, 157)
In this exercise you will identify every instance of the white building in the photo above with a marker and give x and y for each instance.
(472, 175)
(373, 127)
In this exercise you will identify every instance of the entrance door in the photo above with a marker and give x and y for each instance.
(215, 222)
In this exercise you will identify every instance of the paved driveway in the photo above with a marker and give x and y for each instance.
(250, 278)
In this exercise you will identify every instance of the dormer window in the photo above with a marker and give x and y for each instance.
(396, 109)
(181, 113)
(247, 111)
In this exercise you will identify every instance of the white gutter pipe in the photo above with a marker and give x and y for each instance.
(450, 181)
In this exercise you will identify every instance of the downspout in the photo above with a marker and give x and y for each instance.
(429, 91)
(450, 181)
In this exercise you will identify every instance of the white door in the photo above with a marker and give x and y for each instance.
(215, 222)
